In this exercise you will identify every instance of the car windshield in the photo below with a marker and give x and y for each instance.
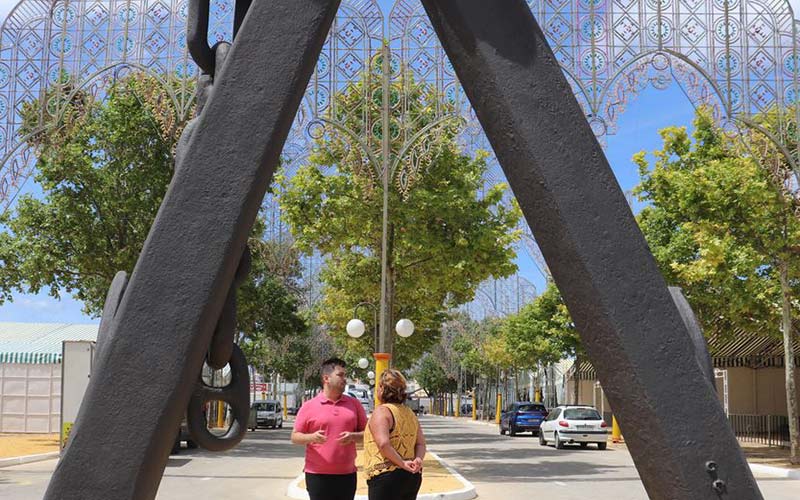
(532, 408)
(358, 394)
(581, 414)
(264, 406)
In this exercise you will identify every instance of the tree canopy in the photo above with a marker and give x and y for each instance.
(722, 221)
(448, 232)
(103, 166)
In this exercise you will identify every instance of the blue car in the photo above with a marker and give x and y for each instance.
(522, 416)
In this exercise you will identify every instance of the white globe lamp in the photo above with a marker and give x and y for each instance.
(371, 375)
(355, 328)
(363, 363)
(404, 328)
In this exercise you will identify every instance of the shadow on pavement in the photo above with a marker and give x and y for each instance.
(261, 443)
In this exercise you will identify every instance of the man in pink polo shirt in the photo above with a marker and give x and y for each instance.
(329, 426)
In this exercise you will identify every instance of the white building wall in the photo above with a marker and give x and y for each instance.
(30, 397)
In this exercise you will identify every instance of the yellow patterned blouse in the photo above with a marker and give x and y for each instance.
(403, 438)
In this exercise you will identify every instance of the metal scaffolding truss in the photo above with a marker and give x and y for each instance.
(738, 56)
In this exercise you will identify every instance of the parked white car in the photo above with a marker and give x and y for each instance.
(574, 424)
(363, 396)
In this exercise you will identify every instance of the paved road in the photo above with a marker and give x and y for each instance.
(501, 467)
(506, 468)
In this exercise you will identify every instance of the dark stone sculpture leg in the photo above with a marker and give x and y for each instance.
(633, 333)
(155, 345)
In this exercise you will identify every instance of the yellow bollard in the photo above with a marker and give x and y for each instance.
(381, 365)
(537, 395)
(285, 410)
(220, 414)
(458, 406)
(474, 406)
(616, 434)
(497, 410)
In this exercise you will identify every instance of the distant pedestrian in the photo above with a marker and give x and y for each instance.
(394, 446)
(329, 426)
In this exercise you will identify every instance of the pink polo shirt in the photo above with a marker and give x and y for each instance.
(335, 417)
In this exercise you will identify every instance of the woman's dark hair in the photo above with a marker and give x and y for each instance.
(392, 387)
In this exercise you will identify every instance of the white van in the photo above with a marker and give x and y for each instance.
(268, 413)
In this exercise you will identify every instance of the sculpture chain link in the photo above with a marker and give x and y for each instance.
(222, 349)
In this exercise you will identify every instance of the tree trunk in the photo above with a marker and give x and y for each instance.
(576, 381)
(516, 385)
(791, 392)
(459, 389)
(485, 404)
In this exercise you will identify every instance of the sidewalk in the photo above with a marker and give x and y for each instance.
(439, 481)
(18, 449)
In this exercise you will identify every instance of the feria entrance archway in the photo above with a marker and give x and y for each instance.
(738, 56)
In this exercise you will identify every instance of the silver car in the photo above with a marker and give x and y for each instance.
(574, 424)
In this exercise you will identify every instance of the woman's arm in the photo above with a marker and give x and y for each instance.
(420, 449)
(379, 425)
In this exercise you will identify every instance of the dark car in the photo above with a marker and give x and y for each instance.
(292, 410)
(522, 416)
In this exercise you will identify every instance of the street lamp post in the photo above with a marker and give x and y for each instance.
(356, 328)
(386, 167)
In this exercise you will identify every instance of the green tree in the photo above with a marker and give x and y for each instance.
(431, 376)
(722, 223)
(447, 232)
(104, 167)
(542, 332)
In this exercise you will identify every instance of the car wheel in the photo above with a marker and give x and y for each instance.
(191, 444)
(176, 446)
(502, 431)
(280, 425)
(584, 445)
(512, 431)
(559, 443)
(602, 446)
(542, 442)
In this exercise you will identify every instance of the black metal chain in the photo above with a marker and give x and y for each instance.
(222, 349)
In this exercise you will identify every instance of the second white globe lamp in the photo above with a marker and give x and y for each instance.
(363, 363)
(355, 328)
(404, 328)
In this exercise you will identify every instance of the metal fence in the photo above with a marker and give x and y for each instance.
(771, 430)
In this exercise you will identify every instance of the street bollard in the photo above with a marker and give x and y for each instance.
(285, 410)
(616, 435)
(220, 414)
(497, 410)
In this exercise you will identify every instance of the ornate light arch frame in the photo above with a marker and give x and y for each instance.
(738, 56)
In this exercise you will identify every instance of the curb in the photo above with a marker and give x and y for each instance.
(467, 492)
(776, 471)
(26, 459)
(488, 423)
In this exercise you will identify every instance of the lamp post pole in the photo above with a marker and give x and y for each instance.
(384, 347)
(386, 168)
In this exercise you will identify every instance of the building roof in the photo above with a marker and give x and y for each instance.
(39, 343)
(742, 349)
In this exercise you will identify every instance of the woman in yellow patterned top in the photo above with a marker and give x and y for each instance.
(394, 445)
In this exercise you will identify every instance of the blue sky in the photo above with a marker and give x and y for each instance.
(637, 130)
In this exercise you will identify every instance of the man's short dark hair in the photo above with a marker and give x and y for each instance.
(330, 364)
